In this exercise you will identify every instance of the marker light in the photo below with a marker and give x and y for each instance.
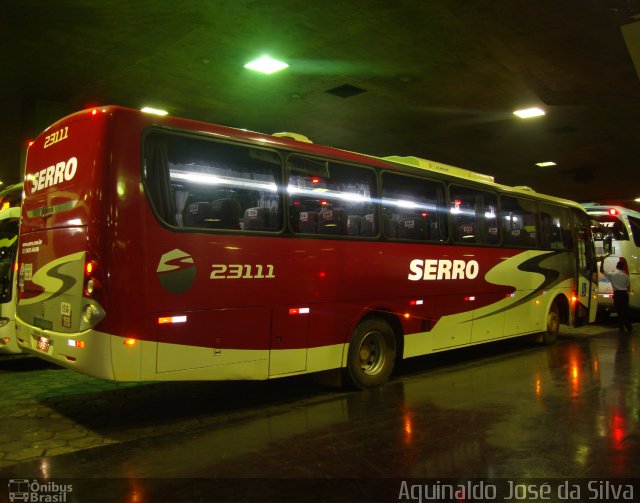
(613, 211)
(299, 310)
(407, 316)
(471, 298)
(130, 342)
(163, 320)
(574, 298)
(417, 302)
(155, 111)
(75, 344)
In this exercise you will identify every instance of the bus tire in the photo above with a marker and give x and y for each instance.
(372, 354)
(550, 335)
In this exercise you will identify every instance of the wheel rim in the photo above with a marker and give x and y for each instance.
(371, 353)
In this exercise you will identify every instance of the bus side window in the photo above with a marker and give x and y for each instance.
(330, 198)
(518, 217)
(634, 223)
(474, 216)
(413, 208)
(555, 227)
(207, 184)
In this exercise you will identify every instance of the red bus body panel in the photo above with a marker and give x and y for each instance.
(100, 210)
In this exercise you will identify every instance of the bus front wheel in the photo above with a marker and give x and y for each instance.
(372, 354)
(550, 335)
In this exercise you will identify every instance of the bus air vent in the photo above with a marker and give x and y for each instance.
(426, 164)
(293, 136)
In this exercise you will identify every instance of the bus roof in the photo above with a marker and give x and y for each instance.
(303, 144)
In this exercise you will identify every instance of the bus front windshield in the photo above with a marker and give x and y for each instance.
(612, 225)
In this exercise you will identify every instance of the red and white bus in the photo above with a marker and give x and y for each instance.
(159, 248)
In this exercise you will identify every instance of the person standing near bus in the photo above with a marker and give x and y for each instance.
(620, 285)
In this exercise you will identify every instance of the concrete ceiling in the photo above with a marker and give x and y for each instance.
(440, 78)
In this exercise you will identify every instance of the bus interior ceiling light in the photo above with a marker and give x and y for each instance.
(155, 111)
(266, 65)
(545, 164)
(527, 113)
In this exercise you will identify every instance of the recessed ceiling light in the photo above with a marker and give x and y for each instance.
(155, 111)
(266, 65)
(637, 199)
(529, 112)
(545, 164)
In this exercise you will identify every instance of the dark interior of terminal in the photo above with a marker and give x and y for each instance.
(289, 251)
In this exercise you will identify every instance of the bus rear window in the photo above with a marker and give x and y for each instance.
(613, 225)
(205, 184)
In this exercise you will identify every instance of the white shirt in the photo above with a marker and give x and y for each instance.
(619, 279)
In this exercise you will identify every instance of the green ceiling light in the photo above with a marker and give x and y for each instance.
(527, 113)
(266, 65)
(155, 111)
(546, 164)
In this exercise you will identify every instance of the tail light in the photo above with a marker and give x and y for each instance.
(93, 283)
(92, 278)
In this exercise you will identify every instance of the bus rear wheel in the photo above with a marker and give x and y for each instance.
(372, 354)
(550, 335)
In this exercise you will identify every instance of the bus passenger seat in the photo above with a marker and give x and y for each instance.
(226, 214)
(517, 237)
(273, 219)
(493, 237)
(308, 221)
(196, 214)
(368, 225)
(466, 233)
(256, 218)
(354, 225)
(411, 228)
(390, 226)
(332, 222)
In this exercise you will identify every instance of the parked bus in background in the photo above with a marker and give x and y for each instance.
(622, 227)
(10, 199)
(159, 248)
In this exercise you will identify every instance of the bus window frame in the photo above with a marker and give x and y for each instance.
(478, 191)
(375, 197)
(212, 138)
(505, 242)
(442, 185)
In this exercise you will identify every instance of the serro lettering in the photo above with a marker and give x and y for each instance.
(55, 174)
(433, 269)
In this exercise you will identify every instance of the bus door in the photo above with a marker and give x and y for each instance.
(586, 270)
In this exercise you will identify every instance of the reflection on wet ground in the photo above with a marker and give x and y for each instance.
(510, 410)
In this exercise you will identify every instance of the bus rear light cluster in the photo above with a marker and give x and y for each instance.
(91, 278)
(75, 344)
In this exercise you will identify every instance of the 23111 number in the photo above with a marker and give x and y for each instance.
(242, 271)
